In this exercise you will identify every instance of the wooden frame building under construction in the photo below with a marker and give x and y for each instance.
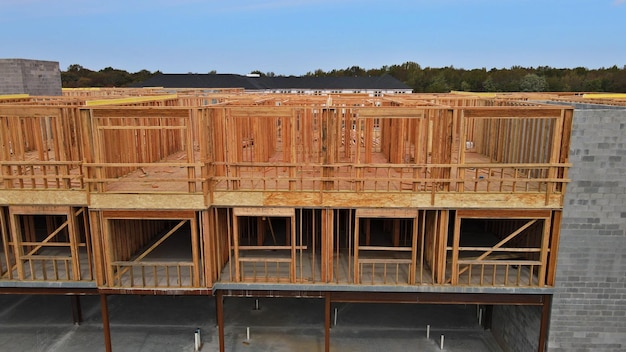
(445, 198)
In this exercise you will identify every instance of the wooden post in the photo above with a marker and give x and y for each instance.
(414, 234)
(323, 245)
(108, 251)
(327, 245)
(189, 136)
(18, 250)
(396, 232)
(545, 242)
(260, 231)
(293, 151)
(555, 235)
(96, 235)
(209, 252)
(455, 250)
(290, 228)
(195, 253)
(74, 239)
(441, 234)
(329, 136)
(235, 236)
(357, 276)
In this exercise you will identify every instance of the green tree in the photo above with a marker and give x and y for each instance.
(428, 79)
(439, 84)
(489, 85)
(533, 83)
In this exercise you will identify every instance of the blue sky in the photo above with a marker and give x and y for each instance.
(293, 37)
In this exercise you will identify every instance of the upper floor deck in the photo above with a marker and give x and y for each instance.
(284, 150)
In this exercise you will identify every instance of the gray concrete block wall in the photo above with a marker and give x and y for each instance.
(589, 305)
(516, 328)
(34, 77)
(11, 81)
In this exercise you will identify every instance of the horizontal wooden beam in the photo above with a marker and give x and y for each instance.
(265, 211)
(40, 209)
(143, 112)
(386, 213)
(153, 214)
(130, 100)
(503, 214)
(29, 111)
(135, 201)
(390, 112)
(43, 197)
(156, 291)
(260, 111)
(422, 200)
(513, 112)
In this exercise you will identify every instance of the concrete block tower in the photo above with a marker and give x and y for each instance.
(34, 77)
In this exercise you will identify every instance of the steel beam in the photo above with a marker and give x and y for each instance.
(438, 298)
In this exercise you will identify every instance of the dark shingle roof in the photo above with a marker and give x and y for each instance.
(192, 80)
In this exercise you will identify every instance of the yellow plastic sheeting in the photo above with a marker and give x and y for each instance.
(605, 96)
(477, 94)
(79, 89)
(14, 96)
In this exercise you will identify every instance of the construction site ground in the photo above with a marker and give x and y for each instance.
(169, 323)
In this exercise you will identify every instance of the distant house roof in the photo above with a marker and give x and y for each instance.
(191, 80)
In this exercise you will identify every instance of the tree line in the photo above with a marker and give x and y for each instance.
(77, 76)
(420, 79)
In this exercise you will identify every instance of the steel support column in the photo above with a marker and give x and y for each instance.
(219, 304)
(545, 322)
(77, 314)
(327, 308)
(106, 328)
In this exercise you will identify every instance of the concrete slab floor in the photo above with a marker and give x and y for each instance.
(165, 323)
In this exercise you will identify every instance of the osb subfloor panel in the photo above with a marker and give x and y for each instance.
(160, 178)
(267, 177)
(308, 177)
